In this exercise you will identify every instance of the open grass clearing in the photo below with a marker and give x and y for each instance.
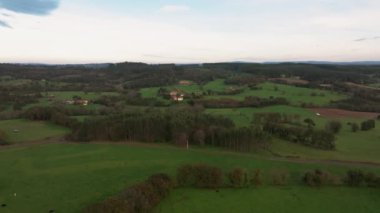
(67, 177)
(20, 131)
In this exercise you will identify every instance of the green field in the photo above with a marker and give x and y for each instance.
(243, 116)
(67, 177)
(30, 130)
(17, 82)
(295, 95)
(60, 97)
(84, 95)
(273, 199)
(358, 146)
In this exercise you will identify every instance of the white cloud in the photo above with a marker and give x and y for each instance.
(174, 8)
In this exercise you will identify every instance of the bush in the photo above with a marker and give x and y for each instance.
(319, 178)
(372, 180)
(256, 178)
(354, 178)
(333, 126)
(354, 127)
(201, 176)
(142, 197)
(280, 177)
(368, 125)
(237, 177)
(185, 175)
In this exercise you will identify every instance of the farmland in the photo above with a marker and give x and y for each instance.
(62, 157)
(20, 131)
(270, 199)
(67, 177)
(295, 95)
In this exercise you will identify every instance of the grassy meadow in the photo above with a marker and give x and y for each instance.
(353, 146)
(295, 95)
(273, 199)
(27, 131)
(67, 177)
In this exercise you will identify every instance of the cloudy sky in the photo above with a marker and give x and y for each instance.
(179, 31)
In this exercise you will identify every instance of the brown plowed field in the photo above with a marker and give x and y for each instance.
(339, 113)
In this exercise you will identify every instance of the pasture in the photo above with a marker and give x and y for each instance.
(67, 177)
(295, 95)
(20, 131)
(352, 146)
(273, 199)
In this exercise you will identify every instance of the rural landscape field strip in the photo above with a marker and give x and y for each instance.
(66, 177)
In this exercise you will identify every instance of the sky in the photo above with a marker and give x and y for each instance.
(192, 31)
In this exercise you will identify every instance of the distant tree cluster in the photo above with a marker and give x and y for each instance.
(276, 124)
(368, 125)
(180, 127)
(249, 101)
(142, 197)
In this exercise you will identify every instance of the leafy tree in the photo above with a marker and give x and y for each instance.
(237, 177)
(334, 126)
(368, 125)
(256, 178)
(354, 177)
(354, 127)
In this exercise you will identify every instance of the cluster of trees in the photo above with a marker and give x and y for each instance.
(333, 126)
(18, 99)
(142, 197)
(277, 124)
(247, 102)
(319, 178)
(205, 176)
(179, 126)
(201, 176)
(368, 125)
(56, 115)
(250, 81)
(358, 178)
(363, 100)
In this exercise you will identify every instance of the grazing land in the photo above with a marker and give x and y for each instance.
(271, 199)
(83, 135)
(20, 131)
(67, 177)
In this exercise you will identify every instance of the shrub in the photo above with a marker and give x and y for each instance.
(185, 175)
(333, 126)
(354, 127)
(319, 178)
(162, 184)
(368, 125)
(110, 205)
(256, 178)
(237, 177)
(201, 176)
(142, 197)
(372, 180)
(354, 177)
(280, 177)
